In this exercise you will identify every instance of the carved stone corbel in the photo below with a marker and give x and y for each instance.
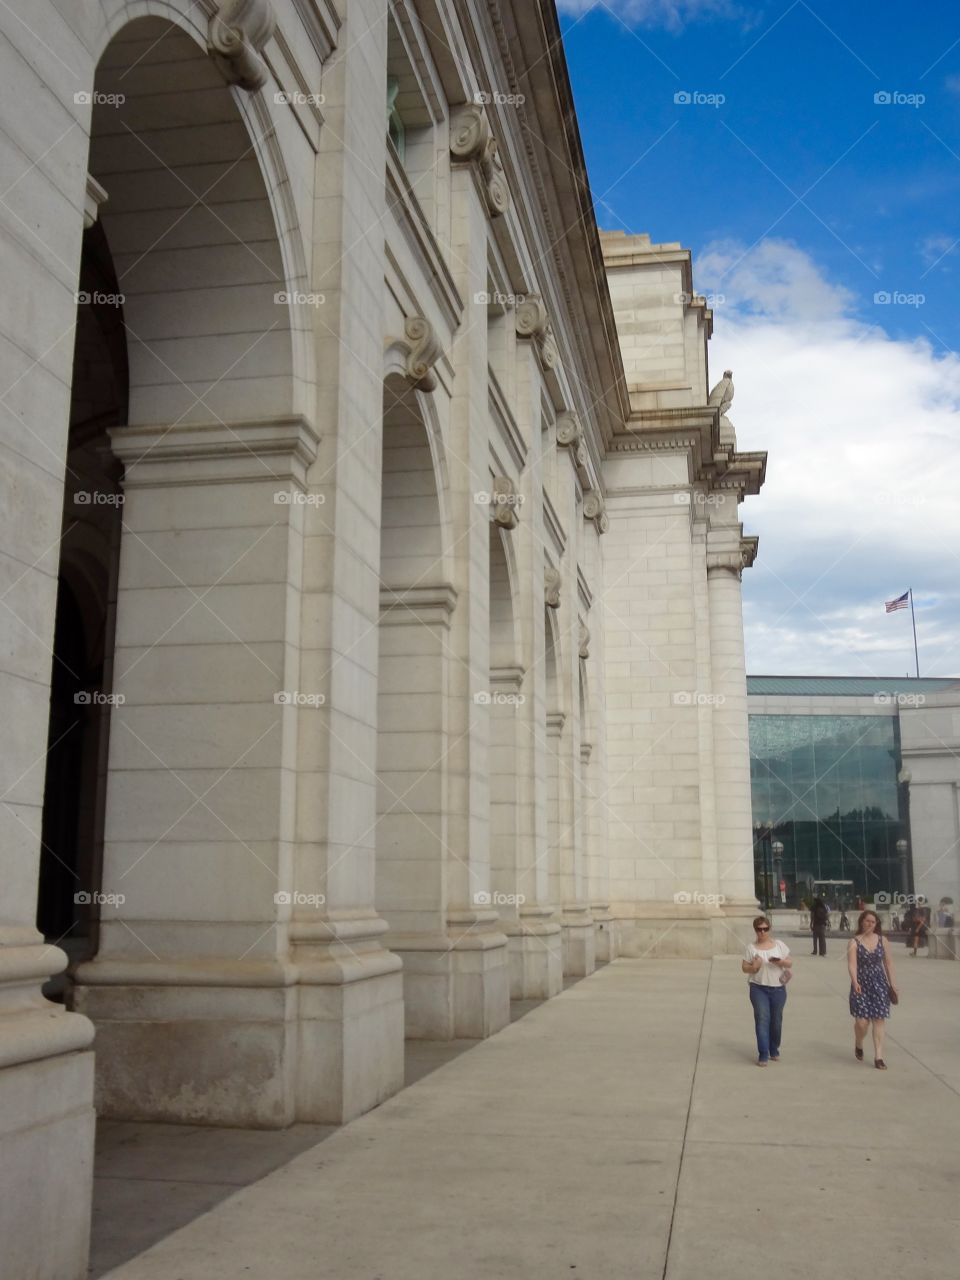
(505, 503)
(424, 351)
(533, 322)
(584, 645)
(236, 36)
(569, 429)
(472, 141)
(552, 581)
(595, 509)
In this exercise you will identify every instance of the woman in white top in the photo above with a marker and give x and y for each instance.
(767, 965)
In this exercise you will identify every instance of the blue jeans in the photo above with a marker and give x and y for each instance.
(768, 1005)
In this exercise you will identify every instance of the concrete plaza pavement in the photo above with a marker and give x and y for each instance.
(622, 1130)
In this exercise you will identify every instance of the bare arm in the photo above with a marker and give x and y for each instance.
(751, 966)
(852, 963)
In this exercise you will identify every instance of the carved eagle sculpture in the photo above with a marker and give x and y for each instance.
(722, 393)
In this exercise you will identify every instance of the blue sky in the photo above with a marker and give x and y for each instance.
(806, 203)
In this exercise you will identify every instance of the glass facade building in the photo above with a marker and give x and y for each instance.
(825, 787)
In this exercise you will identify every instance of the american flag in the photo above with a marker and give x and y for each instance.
(901, 602)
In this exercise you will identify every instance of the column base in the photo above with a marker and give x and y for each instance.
(536, 958)
(252, 1045)
(579, 941)
(456, 986)
(47, 1121)
(606, 933)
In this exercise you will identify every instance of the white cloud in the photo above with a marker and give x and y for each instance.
(774, 279)
(863, 432)
(651, 13)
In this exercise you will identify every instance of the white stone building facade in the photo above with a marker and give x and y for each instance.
(372, 643)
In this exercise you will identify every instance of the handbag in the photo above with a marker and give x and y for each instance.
(785, 977)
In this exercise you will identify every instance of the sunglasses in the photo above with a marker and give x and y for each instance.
(763, 928)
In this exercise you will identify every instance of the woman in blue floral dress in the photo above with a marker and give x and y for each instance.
(871, 985)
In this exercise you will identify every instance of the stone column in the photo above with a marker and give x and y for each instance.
(46, 1067)
(476, 956)
(731, 742)
(536, 970)
(579, 942)
(205, 1012)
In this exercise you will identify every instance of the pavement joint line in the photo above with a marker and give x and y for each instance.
(686, 1123)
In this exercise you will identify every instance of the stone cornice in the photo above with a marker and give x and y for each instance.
(555, 723)
(695, 428)
(416, 606)
(507, 678)
(543, 162)
(263, 449)
(744, 472)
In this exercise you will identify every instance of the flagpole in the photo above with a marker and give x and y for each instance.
(916, 651)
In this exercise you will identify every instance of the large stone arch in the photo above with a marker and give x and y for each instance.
(215, 442)
(203, 236)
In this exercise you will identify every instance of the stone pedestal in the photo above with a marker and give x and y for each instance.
(606, 933)
(46, 1119)
(579, 941)
(456, 985)
(536, 959)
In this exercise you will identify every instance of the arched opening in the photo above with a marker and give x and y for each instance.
(81, 674)
(191, 226)
(182, 317)
(505, 696)
(554, 732)
(415, 607)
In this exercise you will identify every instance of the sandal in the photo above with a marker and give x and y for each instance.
(858, 1054)
(880, 1064)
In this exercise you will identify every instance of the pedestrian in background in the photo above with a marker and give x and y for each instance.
(819, 918)
(767, 965)
(872, 985)
(918, 930)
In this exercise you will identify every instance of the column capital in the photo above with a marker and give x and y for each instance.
(725, 562)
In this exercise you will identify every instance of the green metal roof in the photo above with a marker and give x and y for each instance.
(847, 686)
